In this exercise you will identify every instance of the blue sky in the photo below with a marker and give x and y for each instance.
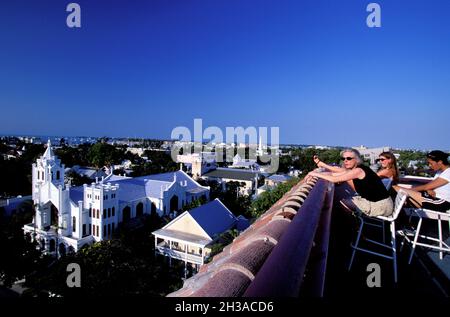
(312, 68)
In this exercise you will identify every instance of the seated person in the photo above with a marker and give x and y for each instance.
(373, 199)
(436, 194)
(389, 167)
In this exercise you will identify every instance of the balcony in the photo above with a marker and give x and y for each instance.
(178, 254)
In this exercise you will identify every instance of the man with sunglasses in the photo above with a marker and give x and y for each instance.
(372, 197)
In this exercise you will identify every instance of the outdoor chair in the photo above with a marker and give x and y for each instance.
(415, 238)
(378, 222)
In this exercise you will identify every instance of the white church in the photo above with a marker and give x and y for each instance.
(67, 218)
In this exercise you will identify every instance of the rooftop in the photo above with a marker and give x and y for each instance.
(144, 186)
(230, 173)
(213, 218)
(301, 247)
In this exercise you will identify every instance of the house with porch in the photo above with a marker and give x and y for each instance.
(189, 236)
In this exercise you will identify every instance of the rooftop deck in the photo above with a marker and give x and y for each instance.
(301, 248)
(425, 276)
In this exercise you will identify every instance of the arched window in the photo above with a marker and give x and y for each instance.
(52, 245)
(139, 210)
(104, 213)
(90, 212)
(74, 224)
(109, 212)
(62, 249)
(98, 215)
(174, 203)
(126, 214)
(57, 175)
(113, 212)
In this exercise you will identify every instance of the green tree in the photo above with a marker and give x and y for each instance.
(77, 179)
(104, 154)
(20, 257)
(159, 162)
(123, 266)
(270, 197)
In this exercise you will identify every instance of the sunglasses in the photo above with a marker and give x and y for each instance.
(382, 159)
(347, 158)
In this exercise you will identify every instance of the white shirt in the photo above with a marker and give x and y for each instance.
(443, 191)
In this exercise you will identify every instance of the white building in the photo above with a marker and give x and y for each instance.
(371, 154)
(239, 162)
(198, 163)
(189, 236)
(67, 218)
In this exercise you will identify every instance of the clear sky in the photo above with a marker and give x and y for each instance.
(312, 68)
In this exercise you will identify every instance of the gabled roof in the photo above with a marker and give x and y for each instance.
(213, 218)
(144, 186)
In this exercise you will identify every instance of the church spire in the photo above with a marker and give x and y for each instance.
(49, 152)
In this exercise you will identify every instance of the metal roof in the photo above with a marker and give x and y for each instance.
(231, 173)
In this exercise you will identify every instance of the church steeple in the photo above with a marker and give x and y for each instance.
(49, 155)
(48, 168)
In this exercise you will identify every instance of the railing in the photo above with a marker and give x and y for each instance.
(283, 272)
(179, 255)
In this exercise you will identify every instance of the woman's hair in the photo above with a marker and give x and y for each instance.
(356, 153)
(393, 165)
(438, 156)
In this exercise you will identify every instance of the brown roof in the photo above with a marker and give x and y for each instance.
(231, 272)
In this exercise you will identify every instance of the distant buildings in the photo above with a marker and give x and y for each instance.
(203, 165)
(371, 154)
(247, 179)
(91, 173)
(271, 182)
(239, 162)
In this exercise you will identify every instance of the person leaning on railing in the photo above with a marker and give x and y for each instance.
(332, 168)
(434, 195)
(373, 198)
